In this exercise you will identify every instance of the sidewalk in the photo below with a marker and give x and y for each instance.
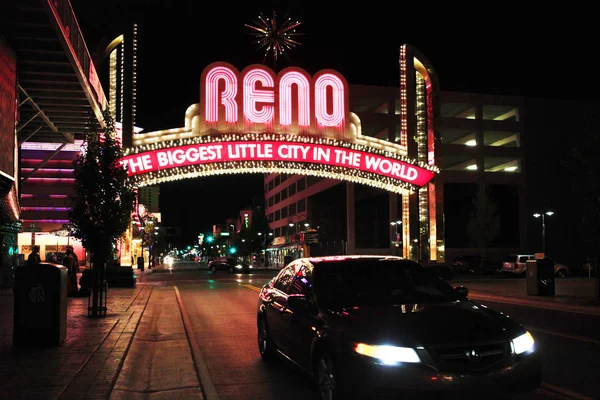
(571, 294)
(86, 365)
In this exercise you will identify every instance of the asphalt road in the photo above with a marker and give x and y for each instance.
(222, 315)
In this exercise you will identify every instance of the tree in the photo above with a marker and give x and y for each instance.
(103, 200)
(484, 222)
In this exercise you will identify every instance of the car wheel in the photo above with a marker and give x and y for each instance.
(561, 273)
(327, 379)
(266, 348)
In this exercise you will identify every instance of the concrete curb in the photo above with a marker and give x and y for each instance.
(576, 308)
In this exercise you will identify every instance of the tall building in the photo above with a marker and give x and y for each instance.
(148, 196)
(475, 139)
(50, 88)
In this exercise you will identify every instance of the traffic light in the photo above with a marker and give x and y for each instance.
(232, 250)
(210, 239)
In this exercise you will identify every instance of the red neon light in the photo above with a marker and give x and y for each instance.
(254, 96)
(285, 99)
(227, 98)
(197, 154)
(335, 118)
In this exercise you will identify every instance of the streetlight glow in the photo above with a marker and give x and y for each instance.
(537, 215)
(550, 213)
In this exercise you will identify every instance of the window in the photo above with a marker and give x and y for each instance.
(312, 180)
(301, 205)
(285, 278)
(284, 213)
(271, 184)
(500, 113)
(277, 198)
(501, 164)
(459, 163)
(292, 189)
(500, 138)
(277, 215)
(465, 137)
(301, 184)
(292, 208)
(284, 194)
(271, 201)
(302, 282)
(277, 180)
(458, 110)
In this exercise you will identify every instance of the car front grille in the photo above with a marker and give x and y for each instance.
(475, 358)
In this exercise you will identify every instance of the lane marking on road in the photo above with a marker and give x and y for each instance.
(553, 307)
(565, 393)
(206, 382)
(257, 289)
(574, 337)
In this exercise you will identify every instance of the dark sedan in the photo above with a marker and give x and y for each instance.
(229, 264)
(375, 325)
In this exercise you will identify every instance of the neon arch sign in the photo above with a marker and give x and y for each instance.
(256, 121)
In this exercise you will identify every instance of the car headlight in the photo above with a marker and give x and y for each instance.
(523, 344)
(238, 266)
(389, 355)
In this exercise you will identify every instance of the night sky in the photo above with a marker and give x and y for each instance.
(498, 48)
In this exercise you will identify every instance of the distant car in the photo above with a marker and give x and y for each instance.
(377, 325)
(473, 264)
(229, 264)
(517, 264)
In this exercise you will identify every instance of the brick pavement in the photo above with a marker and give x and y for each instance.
(86, 365)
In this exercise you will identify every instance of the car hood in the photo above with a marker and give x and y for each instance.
(424, 324)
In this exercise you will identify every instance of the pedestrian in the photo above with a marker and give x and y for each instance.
(72, 264)
(34, 258)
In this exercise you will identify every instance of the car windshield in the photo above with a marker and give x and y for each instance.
(377, 282)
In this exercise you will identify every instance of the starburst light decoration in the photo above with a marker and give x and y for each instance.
(273, 37)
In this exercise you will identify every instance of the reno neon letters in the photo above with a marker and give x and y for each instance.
(258, 100)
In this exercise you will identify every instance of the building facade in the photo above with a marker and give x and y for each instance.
(475, 139)
(50, 90)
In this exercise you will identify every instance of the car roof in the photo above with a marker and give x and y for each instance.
(350, 259)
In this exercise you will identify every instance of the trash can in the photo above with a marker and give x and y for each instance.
(140, 263)
(540, 277)
(40, 305)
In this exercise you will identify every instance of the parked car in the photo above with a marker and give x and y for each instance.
(361, 325)
(474, 264)
(517, 264)
(229, 264)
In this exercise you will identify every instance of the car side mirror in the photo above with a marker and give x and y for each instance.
(297, 302)
(461, 292)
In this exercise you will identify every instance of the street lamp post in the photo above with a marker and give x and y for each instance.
(543, 216)
(397, 225)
